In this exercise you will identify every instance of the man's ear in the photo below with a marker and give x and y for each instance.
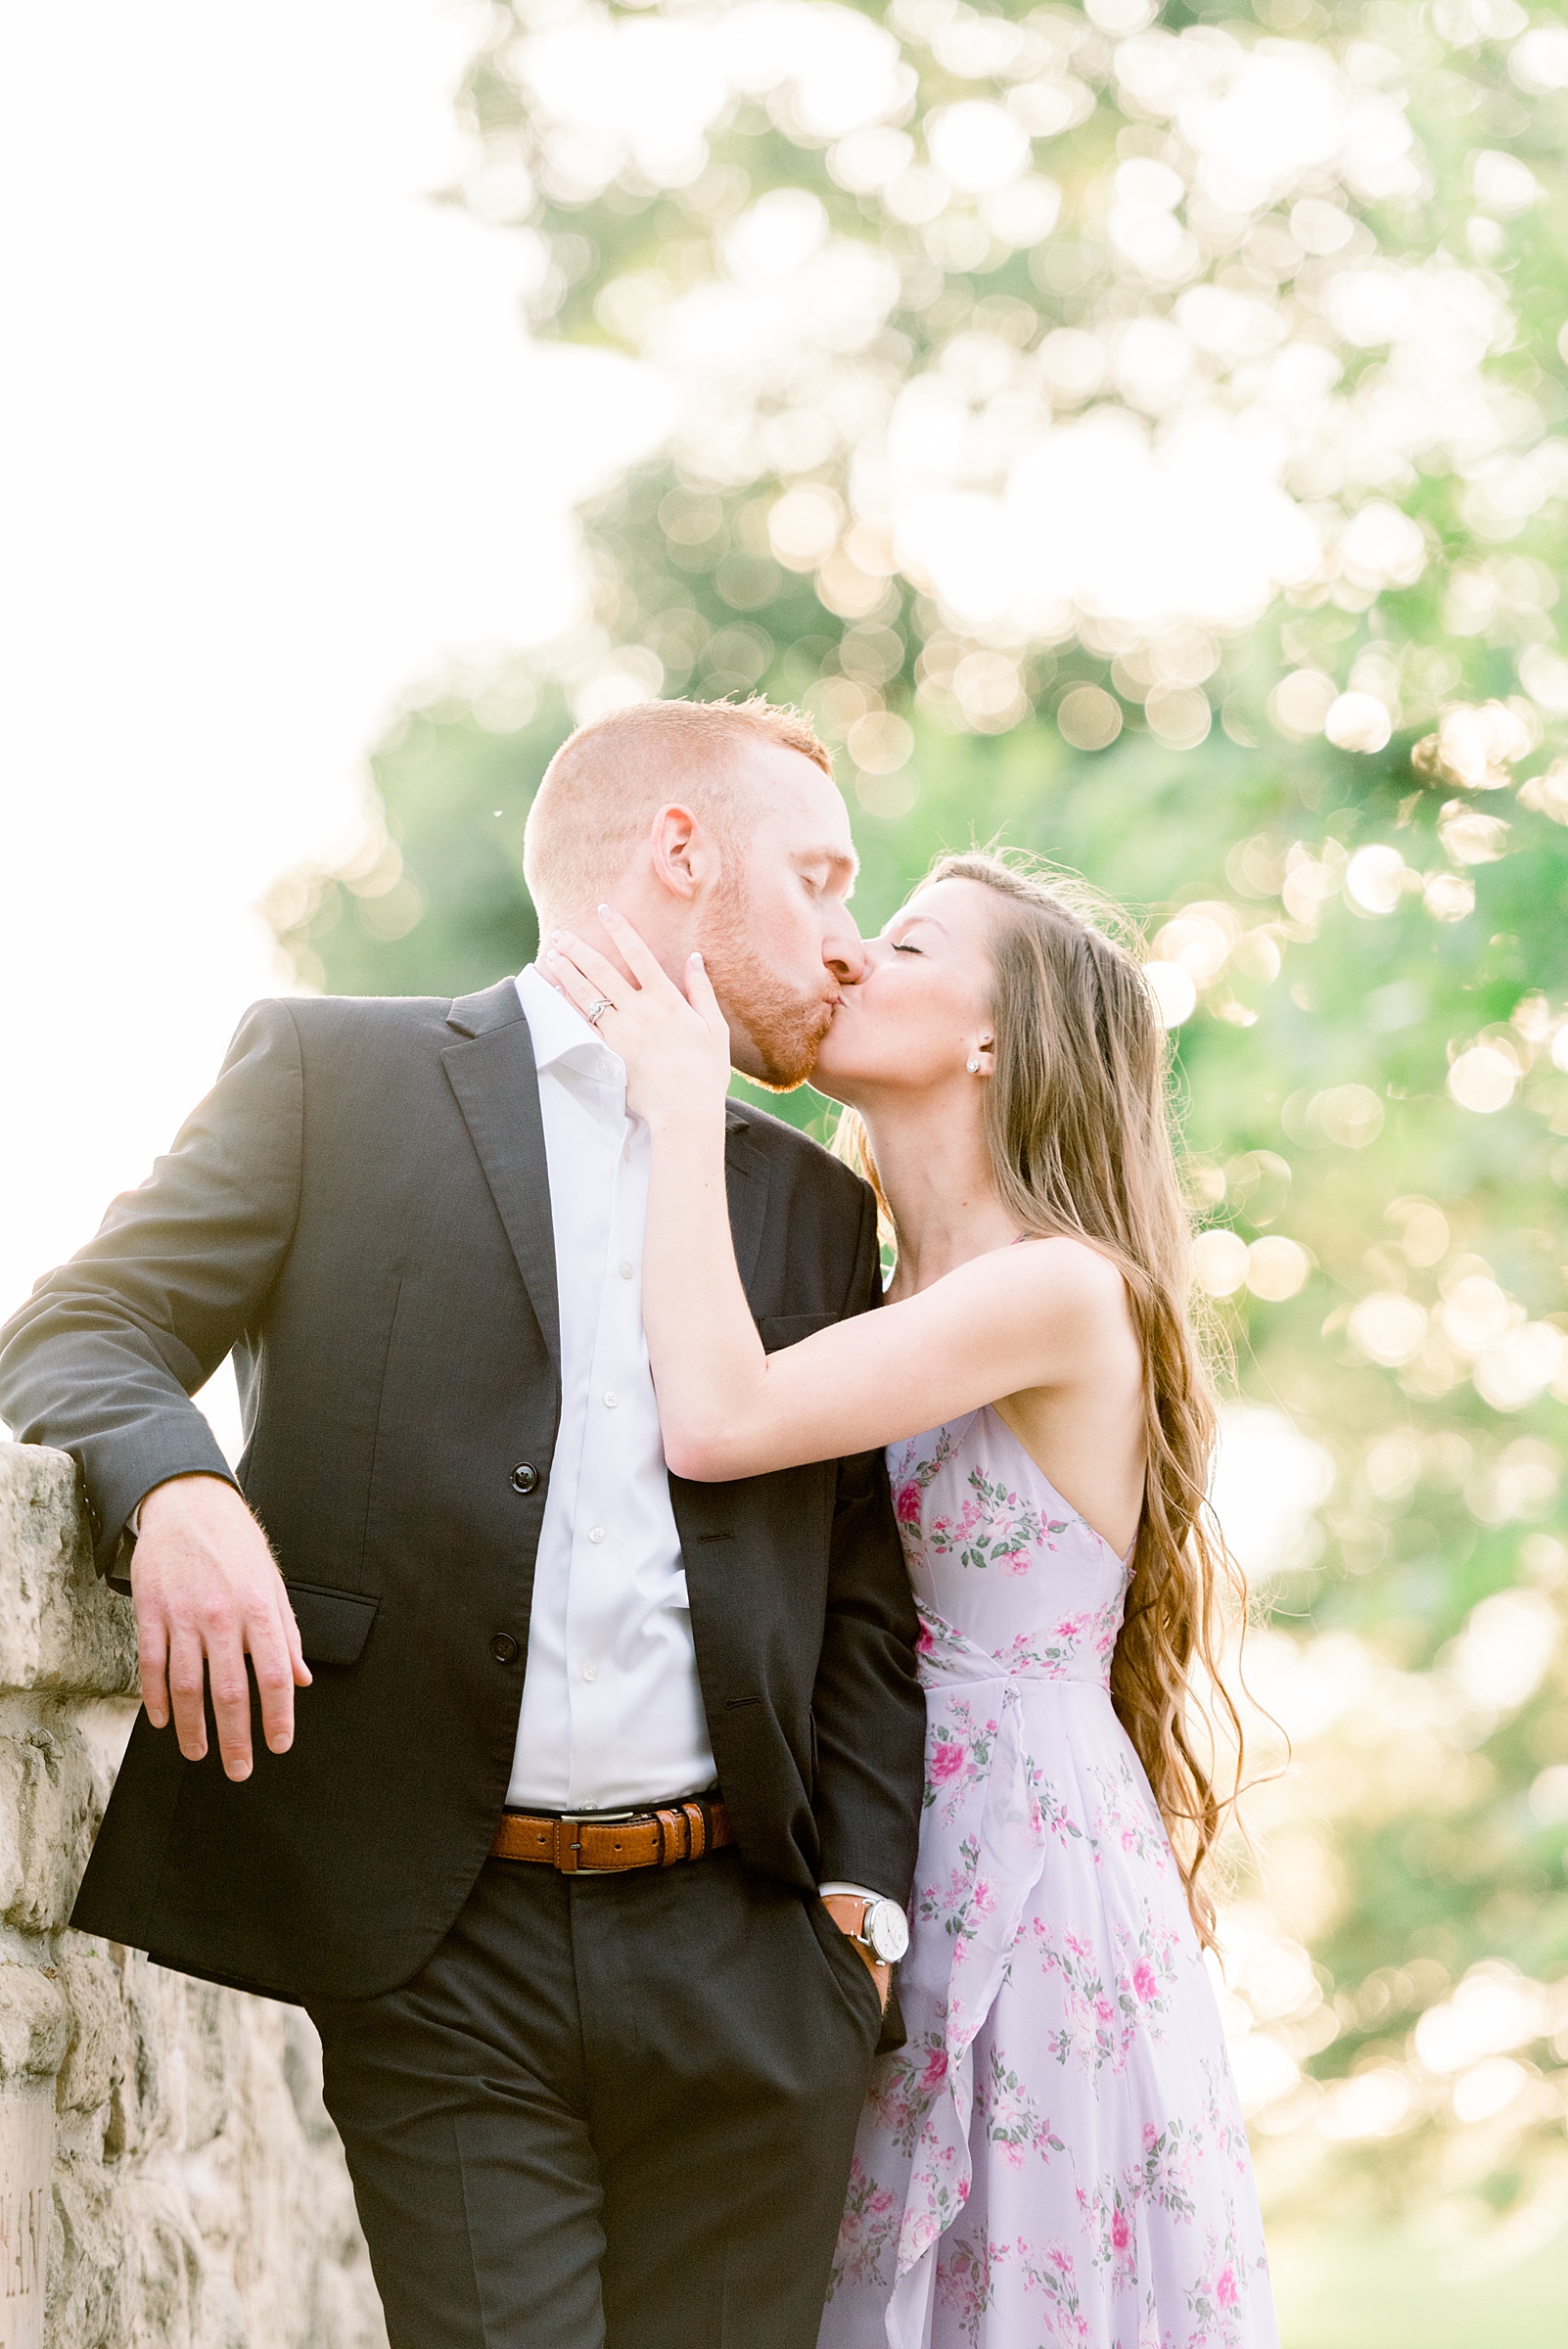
(684, 853)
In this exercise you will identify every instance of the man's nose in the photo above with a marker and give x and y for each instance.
(844, 950)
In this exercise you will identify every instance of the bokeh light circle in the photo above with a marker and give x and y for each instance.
(1088, 717)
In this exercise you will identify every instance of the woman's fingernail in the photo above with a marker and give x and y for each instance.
(552, 956)
(698, 961)
(603, 909)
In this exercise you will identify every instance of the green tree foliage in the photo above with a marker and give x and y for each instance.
(1141, 440)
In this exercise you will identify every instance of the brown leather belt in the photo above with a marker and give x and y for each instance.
(660, 1838)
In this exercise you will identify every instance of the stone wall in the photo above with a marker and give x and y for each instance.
(200, 2200)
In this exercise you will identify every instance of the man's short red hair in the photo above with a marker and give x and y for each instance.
(606, 782)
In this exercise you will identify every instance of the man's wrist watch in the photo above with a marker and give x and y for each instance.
(876, 1928)
(884, 1932)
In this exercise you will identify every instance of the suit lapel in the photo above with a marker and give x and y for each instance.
(492, 1072)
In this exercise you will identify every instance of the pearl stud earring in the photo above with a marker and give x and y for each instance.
(973, 1066)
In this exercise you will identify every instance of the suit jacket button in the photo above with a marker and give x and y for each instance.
(524, 1478)
(503, 1647)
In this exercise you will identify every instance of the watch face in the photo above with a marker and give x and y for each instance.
(886, 1931)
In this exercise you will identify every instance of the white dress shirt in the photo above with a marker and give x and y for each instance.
(611, 1712)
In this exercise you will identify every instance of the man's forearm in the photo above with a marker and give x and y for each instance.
(102, 1396)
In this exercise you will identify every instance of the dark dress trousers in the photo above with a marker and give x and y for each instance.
(359, 1212)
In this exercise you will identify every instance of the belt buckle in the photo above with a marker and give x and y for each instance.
(586, 1819)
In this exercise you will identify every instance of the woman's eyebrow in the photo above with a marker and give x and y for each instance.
(909, 921)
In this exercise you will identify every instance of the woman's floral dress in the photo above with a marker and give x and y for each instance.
(1057, 2154)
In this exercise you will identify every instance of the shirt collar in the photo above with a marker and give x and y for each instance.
(561, 1036)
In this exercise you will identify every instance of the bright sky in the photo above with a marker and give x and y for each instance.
(274, 442)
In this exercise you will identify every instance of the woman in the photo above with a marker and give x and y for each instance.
(1056, 2153)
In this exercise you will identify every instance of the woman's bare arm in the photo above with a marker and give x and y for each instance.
(1013, 1319)
(1017, 1318)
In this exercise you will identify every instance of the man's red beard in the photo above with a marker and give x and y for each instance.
(784, 1029)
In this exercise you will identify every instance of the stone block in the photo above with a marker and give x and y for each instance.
(60, 1627)
(102, 2052)
(34, 2022)
(48, 1813)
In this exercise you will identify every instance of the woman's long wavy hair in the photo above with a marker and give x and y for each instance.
(1078, 1120)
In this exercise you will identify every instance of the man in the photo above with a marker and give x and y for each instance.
(578, 1746)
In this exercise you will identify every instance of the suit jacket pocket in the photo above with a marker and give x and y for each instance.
(334, 1625)
(788, 1329)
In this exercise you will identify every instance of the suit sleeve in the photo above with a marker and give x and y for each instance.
(867, 1703)
(104, 1358)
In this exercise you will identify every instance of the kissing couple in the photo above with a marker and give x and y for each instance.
(711, 1757)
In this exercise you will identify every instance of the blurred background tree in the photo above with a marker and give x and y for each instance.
(1139, 436)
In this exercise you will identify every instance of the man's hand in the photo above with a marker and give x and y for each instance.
(208, 1593)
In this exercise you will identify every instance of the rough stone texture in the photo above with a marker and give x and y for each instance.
(200, 2196)
(61, 1627)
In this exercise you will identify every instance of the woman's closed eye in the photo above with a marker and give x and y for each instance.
(901, 945)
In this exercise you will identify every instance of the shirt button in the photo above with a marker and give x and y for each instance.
(524, 1478)
(611, 1399)
(590, 1672)
(503, 1647)
(625, 1271)
(596, 1533)
(607, 1067)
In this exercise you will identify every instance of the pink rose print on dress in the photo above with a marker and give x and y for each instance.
(1103, 2014)
(1216, 2307)
(1014, 2122)
(994, 1527)
(867, 2229)
(964, 2280)
(958, 1758)
(1125, 1817)
(1070, 1647)
(906, 1504)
